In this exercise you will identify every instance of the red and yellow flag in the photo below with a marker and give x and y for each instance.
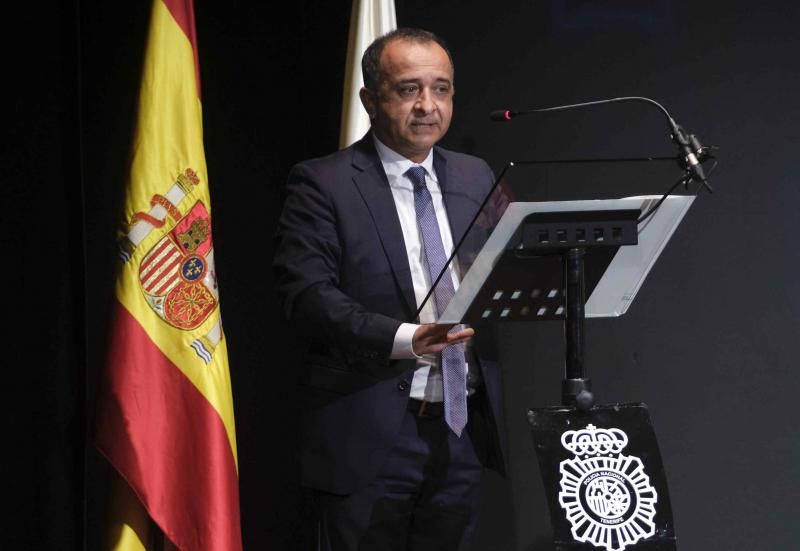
(164, 406)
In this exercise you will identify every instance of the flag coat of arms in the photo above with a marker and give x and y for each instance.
(164, 417)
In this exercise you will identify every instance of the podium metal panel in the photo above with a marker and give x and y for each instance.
(621, 279)
(604, 478)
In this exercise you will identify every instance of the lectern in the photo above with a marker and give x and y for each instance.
(569, 260)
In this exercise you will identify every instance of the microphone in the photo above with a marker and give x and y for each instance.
(693, 153)
(502, 115)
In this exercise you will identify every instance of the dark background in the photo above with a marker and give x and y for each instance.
(708, 344)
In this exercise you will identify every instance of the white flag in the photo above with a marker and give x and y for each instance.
(368, 20)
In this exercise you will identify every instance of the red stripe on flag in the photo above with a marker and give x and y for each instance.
(158, 269)
(183, 12)
(168, 442)
(170, 269)
(153, 255)
(161, 290)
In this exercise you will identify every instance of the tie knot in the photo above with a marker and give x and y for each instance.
(417, 176)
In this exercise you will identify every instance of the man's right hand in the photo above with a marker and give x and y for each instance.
(432, 338)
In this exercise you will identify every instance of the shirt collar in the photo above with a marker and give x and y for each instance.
(395, 165)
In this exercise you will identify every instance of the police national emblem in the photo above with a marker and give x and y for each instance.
(607, 496)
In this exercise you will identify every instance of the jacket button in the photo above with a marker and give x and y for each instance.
(403, 386)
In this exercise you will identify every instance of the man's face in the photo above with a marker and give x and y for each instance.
(414, 103)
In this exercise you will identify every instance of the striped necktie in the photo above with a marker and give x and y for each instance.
(452, 361)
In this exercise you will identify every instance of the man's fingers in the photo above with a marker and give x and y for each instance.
(431, 338)
(460, 335)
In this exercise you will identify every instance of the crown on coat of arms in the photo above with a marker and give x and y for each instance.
(594, 441)
(188, 179)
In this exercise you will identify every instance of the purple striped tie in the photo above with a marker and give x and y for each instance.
(453, 364)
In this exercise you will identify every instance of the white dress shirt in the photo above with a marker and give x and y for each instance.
(427, 382)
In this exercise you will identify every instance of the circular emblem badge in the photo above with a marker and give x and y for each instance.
(607, 496)
(193, 268)
(609, 501)
(188, 305)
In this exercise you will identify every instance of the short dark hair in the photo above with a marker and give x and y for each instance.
(371, 60)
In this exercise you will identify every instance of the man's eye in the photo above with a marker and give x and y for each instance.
(408, 90)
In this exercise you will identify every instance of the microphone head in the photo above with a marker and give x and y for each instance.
(700, 151)
(502, 115)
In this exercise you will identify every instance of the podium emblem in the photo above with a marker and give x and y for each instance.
(607, 496)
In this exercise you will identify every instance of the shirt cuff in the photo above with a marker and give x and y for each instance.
(403, 349)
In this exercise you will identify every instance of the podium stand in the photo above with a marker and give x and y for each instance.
(569, 260)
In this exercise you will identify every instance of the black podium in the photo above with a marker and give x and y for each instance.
(600, 464)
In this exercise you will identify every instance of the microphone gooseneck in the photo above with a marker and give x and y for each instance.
(692, 154)
(507, 114)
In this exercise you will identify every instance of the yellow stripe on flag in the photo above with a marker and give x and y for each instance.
(129, 526)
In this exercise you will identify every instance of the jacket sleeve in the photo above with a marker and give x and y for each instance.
(307, 264)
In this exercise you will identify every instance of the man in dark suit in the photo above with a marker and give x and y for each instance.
(385, 391)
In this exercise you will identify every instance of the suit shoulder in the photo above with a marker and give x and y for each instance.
(326, 173)
(467, 166)
(459, 158)
(324, 164)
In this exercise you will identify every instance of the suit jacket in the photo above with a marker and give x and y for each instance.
(345, 284)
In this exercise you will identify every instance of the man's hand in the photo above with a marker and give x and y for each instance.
(432, 338)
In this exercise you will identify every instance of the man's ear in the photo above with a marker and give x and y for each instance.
(368, 101)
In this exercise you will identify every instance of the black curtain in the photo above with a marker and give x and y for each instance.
(708, 344)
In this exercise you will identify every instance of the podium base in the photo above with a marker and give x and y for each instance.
(603, 477)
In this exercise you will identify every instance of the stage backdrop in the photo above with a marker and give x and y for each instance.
(708, 343)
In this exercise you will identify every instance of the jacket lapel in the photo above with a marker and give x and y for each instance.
(460, 208)
(373, 186)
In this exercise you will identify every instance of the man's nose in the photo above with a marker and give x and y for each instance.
(425, 101)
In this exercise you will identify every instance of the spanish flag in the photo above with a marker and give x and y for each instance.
(164, 416)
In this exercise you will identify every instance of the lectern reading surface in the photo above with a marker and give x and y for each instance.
(614, 272)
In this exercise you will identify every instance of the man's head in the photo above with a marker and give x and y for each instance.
(408, 90)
